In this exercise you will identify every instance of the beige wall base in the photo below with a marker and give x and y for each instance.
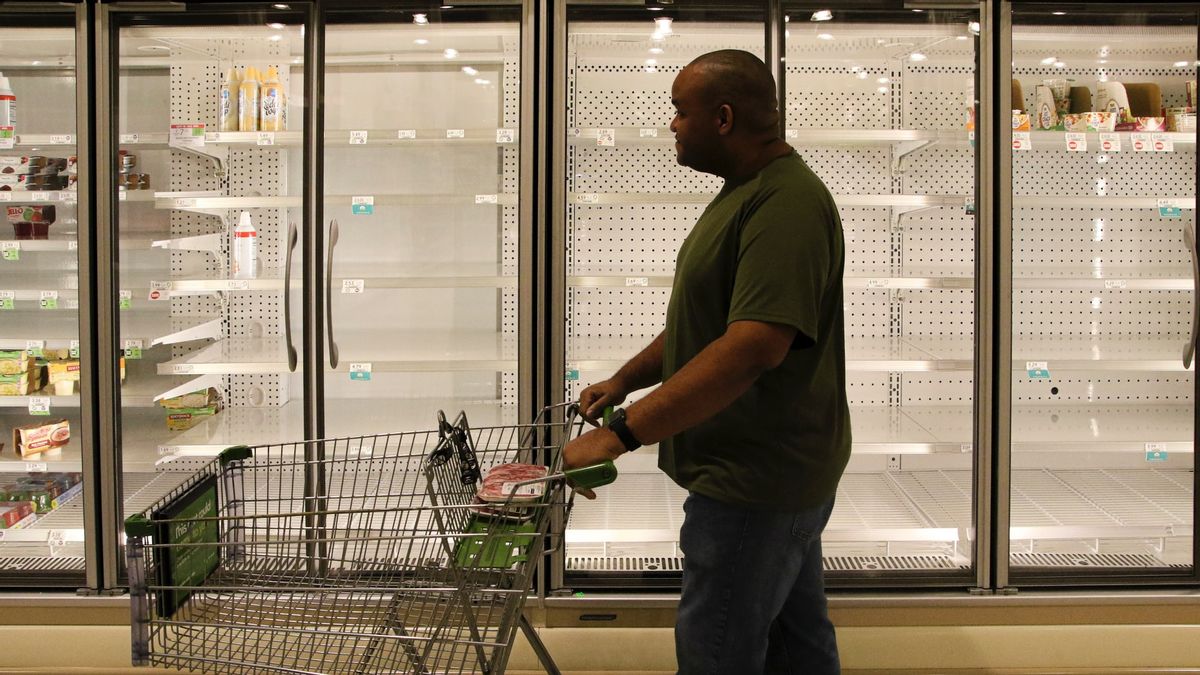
(918, 649)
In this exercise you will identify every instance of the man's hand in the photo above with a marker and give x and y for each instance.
(594, 399)
(594, 447)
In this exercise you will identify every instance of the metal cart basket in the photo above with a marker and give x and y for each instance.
(368, 554)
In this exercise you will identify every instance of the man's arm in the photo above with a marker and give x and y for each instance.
(706, 385)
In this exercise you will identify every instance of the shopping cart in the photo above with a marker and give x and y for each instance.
(368, 554)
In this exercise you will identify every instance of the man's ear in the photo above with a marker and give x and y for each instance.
(725, 119)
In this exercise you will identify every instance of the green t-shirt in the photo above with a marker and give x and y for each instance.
(769, 249)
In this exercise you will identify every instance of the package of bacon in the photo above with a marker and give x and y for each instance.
(503, 481)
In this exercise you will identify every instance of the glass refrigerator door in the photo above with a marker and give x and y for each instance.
(629, 205)
(877, 104)
(208, 191)
(1103, 293)
(41, 511)
(421, 172)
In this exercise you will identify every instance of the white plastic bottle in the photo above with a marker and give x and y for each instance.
(270, 117)
(248, 101)
(245, 249)
(230, 92)
(8, 104)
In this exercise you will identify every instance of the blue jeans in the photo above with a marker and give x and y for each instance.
(753, 592)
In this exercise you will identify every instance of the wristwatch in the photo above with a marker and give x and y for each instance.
(616, 424)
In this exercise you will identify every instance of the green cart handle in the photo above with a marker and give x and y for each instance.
(594, 476)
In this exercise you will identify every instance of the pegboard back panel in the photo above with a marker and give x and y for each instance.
(935, 313)
(1071, 238)
(939, 238)
(839, 97)
(1104, 387)
(1109, 312)
(937, 389)
(935, 96)
(638, 169)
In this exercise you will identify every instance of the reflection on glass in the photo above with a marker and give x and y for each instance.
(1103, 190)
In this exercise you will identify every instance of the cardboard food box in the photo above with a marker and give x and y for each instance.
(36, 438)
(12, 513)
(182, 419)
(200, 398)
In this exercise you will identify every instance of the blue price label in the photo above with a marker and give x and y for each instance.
(1156, 455)
(360, 372)
(572, 374)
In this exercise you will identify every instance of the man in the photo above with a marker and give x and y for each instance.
(751, 417)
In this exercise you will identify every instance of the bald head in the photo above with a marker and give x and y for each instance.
(741, 80)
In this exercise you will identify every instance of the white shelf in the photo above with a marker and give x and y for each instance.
(910, 202)
(60, 241)
(1104, 277)
(660, 276)
(374, 137)
(58, 330)
(456, 199)
(1058, 139)
(449, 274)
(66, 141)
(134, 394)
(343, 418)
(426, 351)
(1100, 202)
(805, 136)
(39, 196)
(236, 356)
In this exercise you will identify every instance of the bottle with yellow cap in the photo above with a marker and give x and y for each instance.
(248, 101)
(273, 101)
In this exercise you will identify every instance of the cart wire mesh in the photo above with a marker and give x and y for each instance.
(366, 554)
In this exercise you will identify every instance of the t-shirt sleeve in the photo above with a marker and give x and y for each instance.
(785, 257)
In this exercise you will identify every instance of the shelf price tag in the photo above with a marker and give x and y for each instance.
(1038, 370)
(133, 349)
(237, 285)
(49, 300)
(358, 137)
(36, 467)
(41, 197)
(792, 134)
(62, 139)
(353, 286)
(6, 299)
(5, 196)
(39, 405)
(125, 299)
(648, 133)
(606, 137)
(487, 199)
(587, 198)
(360, 372)
(1162, 142)
(363, 205)
(183, 369)
(35, 347)
(10, 250)
(879, 283)
(456, 133)
(74, 349)
(183, 203)
(56, 538)
(1170, 208)
(637, 281)
(506, 135)
(1156, 452)
(8, 138)
(158, 291)
(1140, 142)
(129, 138)
(1110, 284)
(1076, 142)
(266, 138)
(406, 134)
(965, 448)
(187, 136)
(572, 375)
(1022, 140)
(1110, 142)
(73, 245)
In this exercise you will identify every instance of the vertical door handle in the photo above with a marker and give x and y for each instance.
(333, 238)
(287, 297)
(1189, 349)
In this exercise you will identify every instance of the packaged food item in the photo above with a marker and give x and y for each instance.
(1191, 94)
(196, 399)
(36, 438)
(15, 361)
(1150, 123)
(8, 104)
(12, 513)
(182, 419)
(31, 213)
(1060, 89)
(245, 249)
(1044, 109)
(1145, 99)
(1076, 122)
(1111, 97)
(1181, 120)
(19, 384)
(500, 483)
(1018, 97)
(1101, 121)
(1020, 121)
(64, 375)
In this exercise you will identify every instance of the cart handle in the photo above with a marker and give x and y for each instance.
(594, 476)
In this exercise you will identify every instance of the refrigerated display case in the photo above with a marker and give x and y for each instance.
(875, 105)
(1103, 282)
(42, 287)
